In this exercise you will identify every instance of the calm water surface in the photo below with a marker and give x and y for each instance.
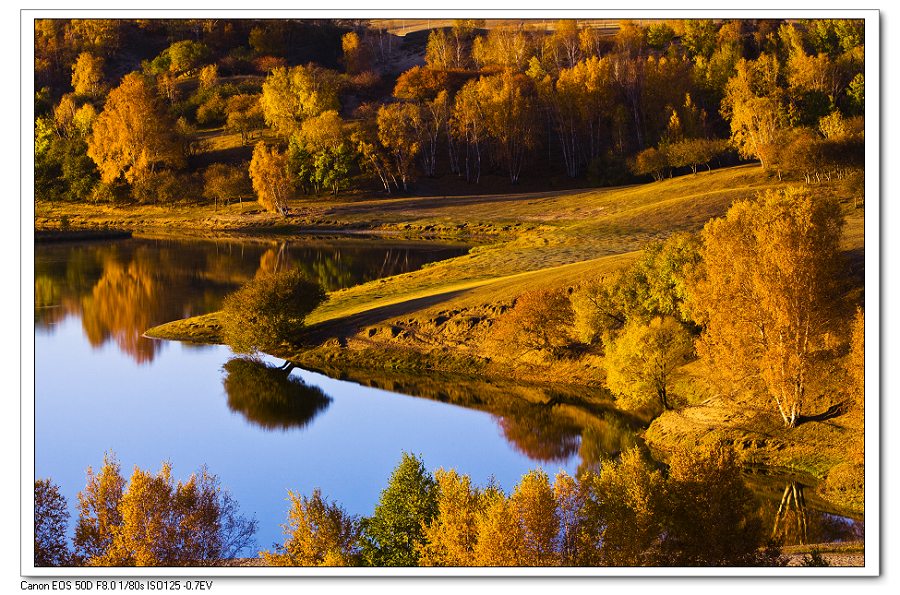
(100, 386)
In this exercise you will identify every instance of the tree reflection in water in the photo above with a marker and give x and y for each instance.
(269, 396)
(120, 289)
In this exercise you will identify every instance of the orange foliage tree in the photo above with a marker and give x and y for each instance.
(766, 293)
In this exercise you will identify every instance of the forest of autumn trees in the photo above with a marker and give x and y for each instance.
(130, 110)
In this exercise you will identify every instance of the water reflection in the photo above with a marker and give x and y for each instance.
(793, 520)
(120, 289)
(269, 396)
(546, 424)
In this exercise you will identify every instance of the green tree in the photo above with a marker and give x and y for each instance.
(185, 56)
(766, 291)
(269, 310)
(640, 362)
(51, 519)
(318, 533)
(395, 533)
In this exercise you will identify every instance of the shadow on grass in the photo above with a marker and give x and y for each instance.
(347, 326)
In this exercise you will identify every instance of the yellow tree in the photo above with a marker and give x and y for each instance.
(509, 108)
(87, 75)
(289, 96)
(501, 541)
(754, 106)
(357, 57)
(624, 512)
(766, 292)
(99, 514)
(270, 178)
(398, 131)
(133, 136)
(534, 504)
(451, 537)
(319, 533)
(856, 360)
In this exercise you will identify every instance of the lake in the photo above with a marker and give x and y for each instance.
(101, 386)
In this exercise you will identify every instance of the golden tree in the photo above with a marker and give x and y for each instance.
(357, 56)
(754, 106)
(132, 136)
(624, 511)
(500, 537)
(289, 96)
(156, 522)
(767, 290)
(87, 75)
(856, 360)
(398, 131)
(270, 178)
(451, 537)
(319, 533)
(99, 514)
(534, 504)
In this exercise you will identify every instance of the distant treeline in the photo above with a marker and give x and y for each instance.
(161, 110)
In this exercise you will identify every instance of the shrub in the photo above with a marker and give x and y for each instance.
(269, 310)
(541, 320)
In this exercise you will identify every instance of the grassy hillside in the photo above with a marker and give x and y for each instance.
(537, 240)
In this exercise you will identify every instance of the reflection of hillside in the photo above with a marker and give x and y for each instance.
(121, 289)
(271, 397)
(542, 423)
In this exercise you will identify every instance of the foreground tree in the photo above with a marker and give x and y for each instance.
(269, 310)
(711, 517)
(155, 522)
(766, 292)
(450, 538)
(99, 513)
(395, 533)
(319, 533)
(51, 518)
